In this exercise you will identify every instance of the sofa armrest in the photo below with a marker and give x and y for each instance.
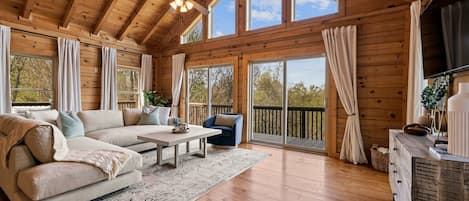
(20, 158)
(209, 122)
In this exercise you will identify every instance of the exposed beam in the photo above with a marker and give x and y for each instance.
(27, 9)
(154, 26)
(131, 20)
(102, 18)
(177, 29)
(198, 6)
(71, 7)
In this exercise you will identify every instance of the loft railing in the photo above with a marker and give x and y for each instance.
(303, 122)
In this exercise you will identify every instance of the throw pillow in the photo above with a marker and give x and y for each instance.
(225, 120)
(150, 116)
(131, 116)
(164, 115)
(71, 125)
(49, 116)
(40, 141)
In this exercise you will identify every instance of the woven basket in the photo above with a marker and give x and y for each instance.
(379, 160)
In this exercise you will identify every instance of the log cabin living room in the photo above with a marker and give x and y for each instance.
(182, 100)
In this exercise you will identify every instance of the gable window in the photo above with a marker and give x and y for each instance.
(305, 9)
(31, 83)
(127, 87)
(193, 33)
(263, 13)
(222, 18)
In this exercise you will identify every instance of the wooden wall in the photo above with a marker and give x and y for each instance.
(90, 61)
(383, 30)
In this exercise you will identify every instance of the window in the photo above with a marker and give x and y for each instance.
(304, 9)
(210, 92)
(127, 87)
(193, 33)
(31, 82)
(222, 18)
(263, 13)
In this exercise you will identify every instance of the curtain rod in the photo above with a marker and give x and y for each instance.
(55, 38)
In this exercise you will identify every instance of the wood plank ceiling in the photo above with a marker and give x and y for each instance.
(147, 22)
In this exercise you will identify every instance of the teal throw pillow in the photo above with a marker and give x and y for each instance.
(71, 125)
(150, 116)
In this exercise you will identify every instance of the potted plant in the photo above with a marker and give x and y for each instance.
(155, 98)
(433, 99)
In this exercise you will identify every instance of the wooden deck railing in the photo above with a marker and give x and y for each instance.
(303, 122)
(129, 104)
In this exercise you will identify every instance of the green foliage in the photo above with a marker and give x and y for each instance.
(195, 34)
(433, 94)
(155, 98)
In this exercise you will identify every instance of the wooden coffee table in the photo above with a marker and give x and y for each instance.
(167, 138)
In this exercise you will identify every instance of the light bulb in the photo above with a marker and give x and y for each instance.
(173, 5)
(179, 2)
(183, 9)
(189, 5)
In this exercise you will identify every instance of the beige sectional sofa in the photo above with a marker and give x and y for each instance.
(27, 179)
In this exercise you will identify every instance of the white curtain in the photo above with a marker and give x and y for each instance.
(452, 24)
(341, 51)
(69, 88)
(416, 81)
(5, 101)
(178, 74)
(108, 79)
(146, 76)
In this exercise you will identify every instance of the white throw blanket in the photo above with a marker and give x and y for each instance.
(15, 128)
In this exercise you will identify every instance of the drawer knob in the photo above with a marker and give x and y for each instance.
(394, 171)
(395, 149)
(399, 181)
(392, 163)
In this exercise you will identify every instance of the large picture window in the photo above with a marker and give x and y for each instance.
(32, 86)
(305, 9)
(194, 32)
(222, 18)
(127, 87)
(263, 13)
(210, 92)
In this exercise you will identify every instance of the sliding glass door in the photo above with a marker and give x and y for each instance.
(210, 92)
(288, 102)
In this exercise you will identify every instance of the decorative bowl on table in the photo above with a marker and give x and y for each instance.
(181, 129)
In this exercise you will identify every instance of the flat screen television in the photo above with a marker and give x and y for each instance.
(445, 36)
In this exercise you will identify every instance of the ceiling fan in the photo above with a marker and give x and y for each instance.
(186, 5)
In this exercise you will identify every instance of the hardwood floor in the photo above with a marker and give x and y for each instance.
(291, 175)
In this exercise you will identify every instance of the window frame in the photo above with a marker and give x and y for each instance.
(210, 21)
(190, 27)
(139, 70)
(292, 22)
(53, 83)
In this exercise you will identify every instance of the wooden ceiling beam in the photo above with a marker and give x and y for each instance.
(104, 15)
(154, 26)
(131, 20)
(71, 7)
(27, 9)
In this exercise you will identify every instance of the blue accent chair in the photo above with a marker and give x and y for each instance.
(231, 136)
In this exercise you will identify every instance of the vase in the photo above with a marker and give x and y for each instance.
(458, 122)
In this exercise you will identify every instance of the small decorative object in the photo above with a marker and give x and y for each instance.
(458, 118)
(379, 158)
(155, 98)
(433, 98)
(181, 128)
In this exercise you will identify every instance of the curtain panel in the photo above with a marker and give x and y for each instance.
(5, 100)
(146, 77)
(177, 78)
(341, 52)
(416, 82)
(69, 88)
(109, 79)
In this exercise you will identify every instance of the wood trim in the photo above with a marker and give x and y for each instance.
(331, 113)
(131, 20)
(71, 7)
(27, 9)
(155, 24)
(102, 18)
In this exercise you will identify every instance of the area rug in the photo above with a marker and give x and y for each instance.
(193, 177)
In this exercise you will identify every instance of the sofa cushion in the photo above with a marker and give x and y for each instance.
(40, 141)
(125, 136)
(101, 119)
(49, 116)
(150, 116)
(131, 116)
(225, 120)
(71, 125)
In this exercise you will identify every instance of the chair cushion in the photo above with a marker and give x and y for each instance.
(131, 116)
(223, 128)
(49, 116)
(125, 136)
(51, 179)
(225, 120)
(101, 119)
